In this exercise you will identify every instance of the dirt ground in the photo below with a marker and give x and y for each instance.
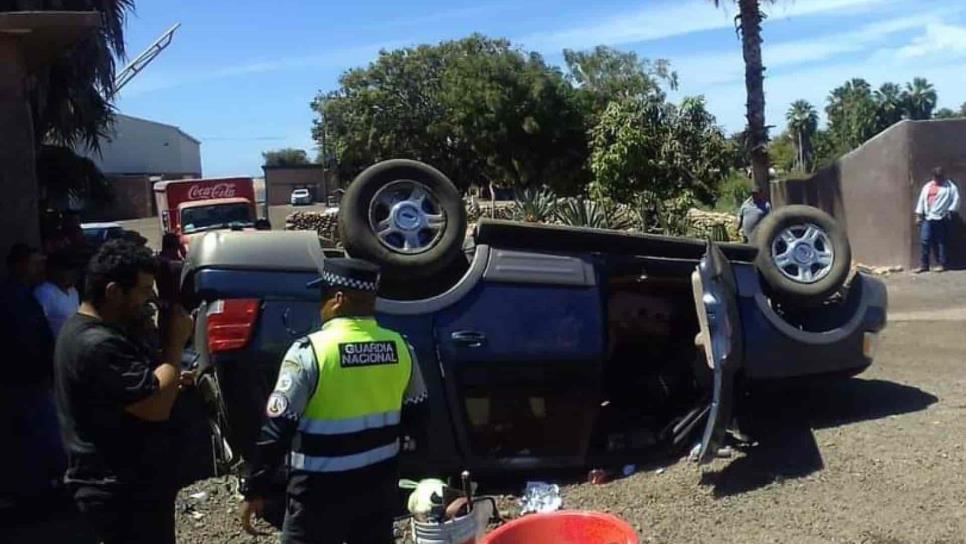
(872, 460)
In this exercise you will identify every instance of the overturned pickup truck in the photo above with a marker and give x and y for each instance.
(543, 346)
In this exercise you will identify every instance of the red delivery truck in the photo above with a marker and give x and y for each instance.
(194, 206)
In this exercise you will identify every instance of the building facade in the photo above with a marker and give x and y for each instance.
(139, 153)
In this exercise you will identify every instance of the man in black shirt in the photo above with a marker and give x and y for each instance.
(114, 400)
(28, 423)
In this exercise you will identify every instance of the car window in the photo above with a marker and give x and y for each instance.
(216, 216)
(93, 236)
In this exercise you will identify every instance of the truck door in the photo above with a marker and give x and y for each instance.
(715, 299)
(521, 357)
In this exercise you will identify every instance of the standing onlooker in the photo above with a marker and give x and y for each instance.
(114, 401)
(938, 201)
(58, 296)
(168, 277)
(752, 212)
(29, 422)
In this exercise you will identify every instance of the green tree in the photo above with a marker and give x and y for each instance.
(826, 152)
(852, 115)
(519, 115)
(891, 106)
(802, 124)
(946, 113)
(479, 109)
(783, 152)
(651, 147)
(920, 97)
(604, 74)
(749, 20)
(69, 97)
(288, 156)
(392, 108)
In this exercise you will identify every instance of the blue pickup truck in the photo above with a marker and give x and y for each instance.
(541, 346)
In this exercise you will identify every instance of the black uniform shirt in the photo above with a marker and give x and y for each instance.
(99, 371)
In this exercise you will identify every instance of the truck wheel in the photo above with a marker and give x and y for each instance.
(405, 216)
(803, 254)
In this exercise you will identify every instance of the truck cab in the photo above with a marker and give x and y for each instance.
(192, 207)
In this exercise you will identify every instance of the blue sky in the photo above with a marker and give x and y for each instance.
(240, 74)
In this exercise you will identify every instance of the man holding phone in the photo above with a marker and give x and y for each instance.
(114, 399)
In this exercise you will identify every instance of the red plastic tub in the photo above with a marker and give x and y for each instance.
(564, 528)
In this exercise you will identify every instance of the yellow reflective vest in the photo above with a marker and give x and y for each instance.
(352, 418)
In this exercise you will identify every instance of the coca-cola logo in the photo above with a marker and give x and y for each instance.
(218, 190)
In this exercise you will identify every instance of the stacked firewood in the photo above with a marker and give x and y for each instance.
(703, 224)
(325, 224)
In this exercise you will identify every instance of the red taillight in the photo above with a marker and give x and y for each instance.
(230, 323)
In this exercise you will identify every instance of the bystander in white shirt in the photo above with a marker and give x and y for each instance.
(58, 303)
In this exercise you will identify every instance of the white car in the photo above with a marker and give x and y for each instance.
(300, 197)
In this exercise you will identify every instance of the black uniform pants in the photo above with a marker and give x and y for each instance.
(336, 516)
(122, 518)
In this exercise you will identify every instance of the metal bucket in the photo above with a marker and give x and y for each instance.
(467, 529)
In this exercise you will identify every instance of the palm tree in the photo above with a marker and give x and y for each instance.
(891, 106)
(69, 97)
(802, 123)
(749, 21)
(920, 98)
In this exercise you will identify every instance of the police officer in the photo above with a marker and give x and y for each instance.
(336, 410)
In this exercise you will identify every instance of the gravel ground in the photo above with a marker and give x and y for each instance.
(873, 460)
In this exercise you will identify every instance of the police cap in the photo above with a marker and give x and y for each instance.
(354, 274)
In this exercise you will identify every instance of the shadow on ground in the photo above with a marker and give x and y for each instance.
(781, 421)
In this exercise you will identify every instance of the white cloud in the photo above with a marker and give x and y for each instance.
(718, 68)
(814, 82)
(333, 59)
(668, 19)
(939, 38)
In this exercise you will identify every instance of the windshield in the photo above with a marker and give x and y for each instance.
(215, 216)
(96, 235)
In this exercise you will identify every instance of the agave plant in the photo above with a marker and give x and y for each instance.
(719, 233)
(535, 206)
(595, 214)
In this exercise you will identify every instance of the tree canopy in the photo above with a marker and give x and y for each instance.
(802, 125)
(70, 97)
(478, 108)
(856, 112)
(487, 112)
(287, 156)
(604, 74)
(651, 146)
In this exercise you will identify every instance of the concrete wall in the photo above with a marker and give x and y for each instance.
(19, 211)
(139, 146)
(939, 143)
(872, 191)
(280, 181)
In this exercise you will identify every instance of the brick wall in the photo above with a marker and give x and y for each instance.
(280, 181)
(132, 200)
